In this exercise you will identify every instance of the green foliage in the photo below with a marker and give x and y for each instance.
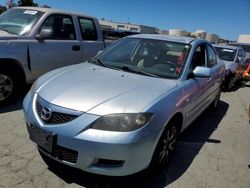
(2, 9)
(27, 3)
(191, 35)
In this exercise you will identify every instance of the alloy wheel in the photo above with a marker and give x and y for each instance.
(168, 144)
(6, 87)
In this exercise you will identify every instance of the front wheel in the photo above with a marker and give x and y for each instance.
(10, 85)
(165, 147)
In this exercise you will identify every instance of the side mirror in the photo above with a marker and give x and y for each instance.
(239, 59)
(202, 72)
(44, 34)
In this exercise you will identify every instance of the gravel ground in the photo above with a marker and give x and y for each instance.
(213, 152)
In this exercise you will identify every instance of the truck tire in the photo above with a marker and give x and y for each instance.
(9, 86)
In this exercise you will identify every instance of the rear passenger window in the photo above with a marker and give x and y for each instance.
(88, 30)
(211, 57)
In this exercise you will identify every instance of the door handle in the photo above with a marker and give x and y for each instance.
(76, 48)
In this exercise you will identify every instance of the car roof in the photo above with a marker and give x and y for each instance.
(51, 10)
(226, 46)
(180, 39)
(239, 43)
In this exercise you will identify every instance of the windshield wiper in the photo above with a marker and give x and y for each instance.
(138, 71)
(97, 61)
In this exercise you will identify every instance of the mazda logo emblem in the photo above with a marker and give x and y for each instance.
(46, 114)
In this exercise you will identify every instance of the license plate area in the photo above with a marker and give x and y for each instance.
(42, 138)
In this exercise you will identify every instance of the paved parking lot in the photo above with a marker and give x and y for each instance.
(213, 152)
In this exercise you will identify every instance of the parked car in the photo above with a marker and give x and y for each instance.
(246, 73)
(245, 46)
(235, 62)
(122, 111)
(34, 41)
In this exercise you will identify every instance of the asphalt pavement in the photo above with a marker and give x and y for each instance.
(213, 152)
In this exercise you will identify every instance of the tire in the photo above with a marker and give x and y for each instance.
(10, 86)
(165, 147)
(230, 83)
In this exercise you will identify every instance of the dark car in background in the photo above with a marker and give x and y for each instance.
(235, 62)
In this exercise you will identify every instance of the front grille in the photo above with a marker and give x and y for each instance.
(63, 154)
(56, 117)
(66, 154)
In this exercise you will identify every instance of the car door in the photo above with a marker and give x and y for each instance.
(215, 79)
(60, 49)
(196, 87)
(91, 41)
(240, 62)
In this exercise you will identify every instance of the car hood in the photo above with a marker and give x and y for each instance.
(98, 90)
(8, 36)
(5, 35)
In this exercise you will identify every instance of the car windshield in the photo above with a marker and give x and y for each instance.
(226, 53)
(150, 57)
(19, 21)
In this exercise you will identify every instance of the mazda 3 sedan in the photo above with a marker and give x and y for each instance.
(122, 111)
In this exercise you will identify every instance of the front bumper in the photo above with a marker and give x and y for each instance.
(95, 151)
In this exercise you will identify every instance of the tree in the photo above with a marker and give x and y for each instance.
(27, 3)
(46, 6)
(2, 9)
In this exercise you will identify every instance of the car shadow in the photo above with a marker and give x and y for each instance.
(189, 145)
(16, 104)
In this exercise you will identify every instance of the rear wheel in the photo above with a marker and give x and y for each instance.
(165, 147)
(230, 83)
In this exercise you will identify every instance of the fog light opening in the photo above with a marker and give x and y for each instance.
(108, 163)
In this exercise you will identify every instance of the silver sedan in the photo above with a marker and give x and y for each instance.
(122, 111)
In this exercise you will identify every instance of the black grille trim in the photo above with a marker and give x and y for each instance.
(56, 117)
(63, 154)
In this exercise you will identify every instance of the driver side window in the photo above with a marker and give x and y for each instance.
(199, 57)
(62, 27)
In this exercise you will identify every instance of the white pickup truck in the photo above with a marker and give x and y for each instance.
(34, 41)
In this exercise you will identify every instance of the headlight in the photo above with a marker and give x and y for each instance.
(122, 122)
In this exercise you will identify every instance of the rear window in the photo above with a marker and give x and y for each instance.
(226, 53)
(88, 29)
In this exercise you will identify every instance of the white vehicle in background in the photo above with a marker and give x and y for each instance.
(34, 41)
(235, 62)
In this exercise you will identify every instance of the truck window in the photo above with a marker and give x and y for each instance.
(62, 27)
(88, 29)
